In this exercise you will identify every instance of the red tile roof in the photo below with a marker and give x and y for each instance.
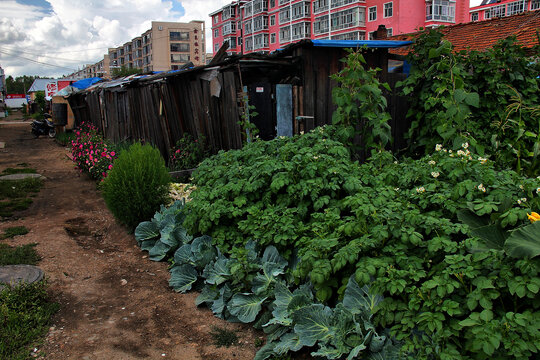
(481, 35)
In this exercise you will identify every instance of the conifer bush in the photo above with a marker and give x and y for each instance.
(137, 184)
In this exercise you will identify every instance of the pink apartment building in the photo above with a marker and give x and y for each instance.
(490, 9)
(267, 25)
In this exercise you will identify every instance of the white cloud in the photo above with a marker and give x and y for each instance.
(72, 33)
(199, 10)
(9, 33)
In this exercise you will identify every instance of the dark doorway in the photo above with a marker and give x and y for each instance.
(260, 96)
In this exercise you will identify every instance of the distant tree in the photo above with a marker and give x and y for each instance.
(40, 101)
(125, 71)
(20, 84)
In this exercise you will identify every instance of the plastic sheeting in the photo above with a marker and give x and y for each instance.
(372, 44)
(84, 83)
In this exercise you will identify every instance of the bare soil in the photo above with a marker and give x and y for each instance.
(115, 303)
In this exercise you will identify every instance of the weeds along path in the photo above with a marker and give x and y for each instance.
(115, 303)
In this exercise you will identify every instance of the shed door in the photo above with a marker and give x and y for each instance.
(260, 96)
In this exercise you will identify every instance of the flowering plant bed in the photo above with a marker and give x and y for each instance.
(91, 153)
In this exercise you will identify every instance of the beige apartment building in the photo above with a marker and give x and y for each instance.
(165, 46)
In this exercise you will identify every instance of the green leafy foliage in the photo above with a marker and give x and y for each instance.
(137, 184)
(270, 191)
(393, 225)
(162, 235)
(361, 106)
(188, 153)
(488, 98)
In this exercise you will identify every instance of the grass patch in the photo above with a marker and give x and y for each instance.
(25, 313)
(14, 194)
(65, 138)
(223, 337)
(11, 171)
(13, 231)
(12, 189)
(25, 254)
(8, 207)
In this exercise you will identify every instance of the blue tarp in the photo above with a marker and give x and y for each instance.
(375, 44)
(84, 83)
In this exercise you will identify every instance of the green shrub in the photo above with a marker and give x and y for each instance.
(137, 184)
(268, 191)
(489, 99)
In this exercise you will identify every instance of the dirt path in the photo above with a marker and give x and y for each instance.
(115, 303)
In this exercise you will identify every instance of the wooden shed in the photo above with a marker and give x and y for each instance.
(291, 90)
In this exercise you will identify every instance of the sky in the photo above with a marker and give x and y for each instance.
(51, 38)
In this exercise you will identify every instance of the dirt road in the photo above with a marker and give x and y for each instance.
(115, 303)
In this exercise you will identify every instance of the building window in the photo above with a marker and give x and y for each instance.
(281, 2)
(373, 13)
(348, 18)
(248, 9)
(389, 32)
(474, 16)
(301, 30)
(179, 47)
(516, 7)
(320, 5)
(320, 25)
(535, 4)
(272, 38)
(300, 10)
(355, 35)
(284, 15)
(216, 19)
(272, 20)
(442, 10)
(232, 42)
(260, 23)
(248, 27)
(249, 44)
(260, 41)
(388, 10)
(228, 28)
(272, 3)
(228, 12)
(179, 36)
(259, 6)
(284, 35)
(216, 47)
(496, 11)
(179, 58)
(216, 33)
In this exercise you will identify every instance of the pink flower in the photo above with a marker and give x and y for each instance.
(113, 153)
(110, 166)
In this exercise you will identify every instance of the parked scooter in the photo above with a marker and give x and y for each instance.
(44, 127)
